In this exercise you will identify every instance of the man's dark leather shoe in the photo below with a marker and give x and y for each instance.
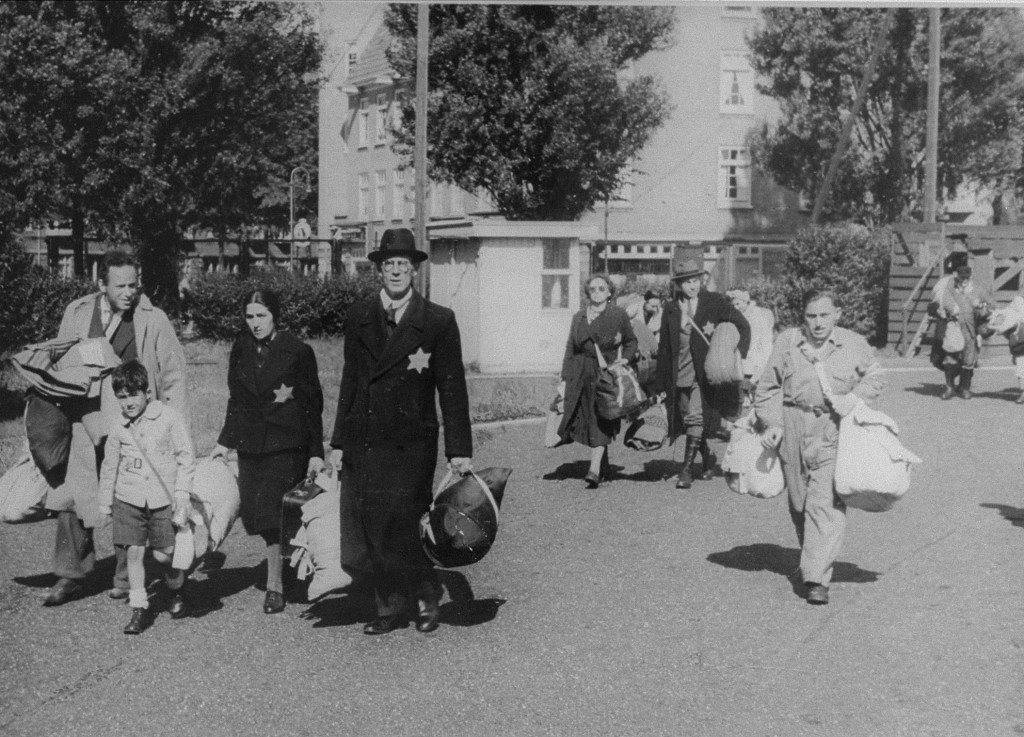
(273, 602)
(817, 594)
(177, 608)
(139, 622)
(383, 625)
(428, 616)
(62, 592)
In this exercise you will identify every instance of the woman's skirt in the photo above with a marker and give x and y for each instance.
(584, 425)
(263, 480)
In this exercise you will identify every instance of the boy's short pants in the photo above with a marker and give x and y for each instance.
(138, 526)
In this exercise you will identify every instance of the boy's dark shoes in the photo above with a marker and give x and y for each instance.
(273, 602)
(139, 622)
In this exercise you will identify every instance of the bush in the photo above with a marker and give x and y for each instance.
(33, 298)
(851, 260)
(311, 307)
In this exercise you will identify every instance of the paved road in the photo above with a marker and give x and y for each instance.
(631, 610)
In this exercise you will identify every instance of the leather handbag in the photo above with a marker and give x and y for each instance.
(618, 392)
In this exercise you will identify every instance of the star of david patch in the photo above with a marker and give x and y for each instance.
(709, 328)
(419, 360)
(283, 394)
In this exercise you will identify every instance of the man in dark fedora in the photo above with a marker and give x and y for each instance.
(687, 324)
(403, 356)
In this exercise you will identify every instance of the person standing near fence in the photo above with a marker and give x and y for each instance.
(687, 323)
(790, 405)
(403, 356)
(136, 330)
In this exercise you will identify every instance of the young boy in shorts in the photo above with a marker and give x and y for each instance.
(145, 481)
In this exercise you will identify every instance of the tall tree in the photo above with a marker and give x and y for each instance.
(531, 103)
(811, 61)
(186, 113)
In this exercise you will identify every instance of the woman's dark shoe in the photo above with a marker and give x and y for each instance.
(591, 480)
(606, 468)
(139, 622)
(817, 594)
(273, 602)
(389, 623)
(177, 608)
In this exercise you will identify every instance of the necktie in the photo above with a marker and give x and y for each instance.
(389, 320)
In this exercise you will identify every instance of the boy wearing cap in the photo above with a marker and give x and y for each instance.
(687, 323)
(403, 356)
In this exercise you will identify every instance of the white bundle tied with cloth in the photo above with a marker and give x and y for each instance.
(749, 467)
(23, 492)
(317, 543)
(872, 466)
(215, 503)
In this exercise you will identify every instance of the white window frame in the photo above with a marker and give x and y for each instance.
(734, 178)
(564, 275)
(380, 194)
(398, 195)
(382, 121)
(364, 122)
(363, 201)
(736, 76)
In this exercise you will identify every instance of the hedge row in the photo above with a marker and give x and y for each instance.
(311, 307)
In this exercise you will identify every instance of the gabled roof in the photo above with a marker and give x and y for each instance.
(372, 63)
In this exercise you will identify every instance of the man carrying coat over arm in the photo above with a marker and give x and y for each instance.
(402, 354)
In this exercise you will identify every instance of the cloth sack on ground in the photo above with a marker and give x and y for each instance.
(23, 492)
(555, 412)
(723, 364)
(462, 522)
(618, 393)
(872, 466)
(749, 467)
(215, 490)
(316, 545)
(648, 431)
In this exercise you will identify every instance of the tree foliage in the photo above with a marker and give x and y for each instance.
(141, 119)
(532, 103)
(812, 60)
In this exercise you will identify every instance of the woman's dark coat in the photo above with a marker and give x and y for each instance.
(387, 426)
(580, 372)
(712, 309)
(278, 407)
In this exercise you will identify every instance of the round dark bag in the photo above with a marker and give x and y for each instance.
(462, 522)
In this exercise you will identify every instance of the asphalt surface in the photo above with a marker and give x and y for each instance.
(634, 609)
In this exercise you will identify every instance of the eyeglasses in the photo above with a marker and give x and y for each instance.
(598, 288)
(399, 266)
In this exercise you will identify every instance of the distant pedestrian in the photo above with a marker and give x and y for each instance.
(274, 421)
(145, 482)
(762, 334)
(600, 325)
(790, 404)
(652, 312)
(959, 306)
(403, 358)
(687, 324)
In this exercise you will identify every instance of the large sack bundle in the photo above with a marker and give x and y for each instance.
(23, 492)
(618, 393)
(316, 544)
(723, 364)
(749, 467)
(215, 491)
(462, 522)
(67, 367)
(48, 431)
(649, 430)
(872, 466)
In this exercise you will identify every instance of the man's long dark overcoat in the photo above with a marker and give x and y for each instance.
(712, 309)
(387, 426)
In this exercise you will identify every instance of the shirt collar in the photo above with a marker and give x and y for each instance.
(153, 410)
(397, 304)
(834, 338)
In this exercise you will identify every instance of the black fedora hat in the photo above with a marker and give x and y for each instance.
(397, 242)
(683, 270)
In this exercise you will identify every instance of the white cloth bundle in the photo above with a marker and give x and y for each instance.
(318, 541)
(749, 467)
(23, 492)
(872, 466)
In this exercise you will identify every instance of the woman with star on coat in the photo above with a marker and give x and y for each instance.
(274, 421)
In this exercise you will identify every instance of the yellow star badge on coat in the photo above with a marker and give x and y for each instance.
(283, 394)
(709, 328)
(419, 360)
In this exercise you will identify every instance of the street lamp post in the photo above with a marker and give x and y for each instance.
(291, 212)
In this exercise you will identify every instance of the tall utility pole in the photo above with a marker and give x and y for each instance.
(931, 147)
(420, 154)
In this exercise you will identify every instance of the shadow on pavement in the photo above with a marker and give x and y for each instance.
(573, 470)
(205, 596)
(784, 561)
(1009, 394)
(927, 390)
(355, 607)
(470, 613)
(96, 582)
(1014, 514)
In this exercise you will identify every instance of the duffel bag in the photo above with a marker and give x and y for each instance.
(872, 465)
(723, 364)
(648, 431)
(618, 393)
(462, 522)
